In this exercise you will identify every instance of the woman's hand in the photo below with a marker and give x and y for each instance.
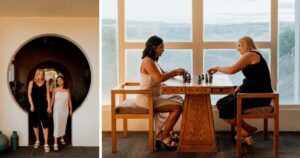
(213, 70)
(70, 113)
(49, 110)
(31, 108)
(179, 71)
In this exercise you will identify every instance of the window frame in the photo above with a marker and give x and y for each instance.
(197, 45)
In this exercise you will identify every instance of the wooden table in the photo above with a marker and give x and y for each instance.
(197, 133)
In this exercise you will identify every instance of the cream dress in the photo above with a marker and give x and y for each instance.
(60, 113)
(159, 100)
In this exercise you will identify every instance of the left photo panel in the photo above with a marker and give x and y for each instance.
(49, 67)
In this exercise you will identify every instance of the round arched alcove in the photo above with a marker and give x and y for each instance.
(57, 56)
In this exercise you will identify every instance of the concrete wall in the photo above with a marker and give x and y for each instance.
(83, 32)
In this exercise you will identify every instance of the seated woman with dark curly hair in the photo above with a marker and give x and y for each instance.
(167, 107)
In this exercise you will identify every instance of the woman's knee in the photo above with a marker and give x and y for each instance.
(178, 109)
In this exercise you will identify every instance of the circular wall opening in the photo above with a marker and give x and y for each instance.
(57, 56)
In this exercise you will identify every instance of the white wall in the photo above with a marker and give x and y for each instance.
(14, 33)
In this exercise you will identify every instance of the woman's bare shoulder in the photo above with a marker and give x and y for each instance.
(147, 61)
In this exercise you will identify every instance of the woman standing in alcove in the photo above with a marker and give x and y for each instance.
(61, 100)
(39, 99)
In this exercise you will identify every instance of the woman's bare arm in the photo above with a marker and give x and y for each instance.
(149, 66)
(70, 103)
(244, 61)
(29, 92)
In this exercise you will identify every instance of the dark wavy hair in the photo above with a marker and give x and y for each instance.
(65, 83)
(150, 46)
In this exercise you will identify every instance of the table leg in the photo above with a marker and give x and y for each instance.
(197, 133)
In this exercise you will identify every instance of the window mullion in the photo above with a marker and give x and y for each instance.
(274, 42)
(297, 52)
(197, 25)
(121, 41)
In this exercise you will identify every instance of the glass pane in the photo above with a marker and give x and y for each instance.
(213, 58)
(109, 49)
(232, 19)
(171, 59)
(169, 19)
(286, 51)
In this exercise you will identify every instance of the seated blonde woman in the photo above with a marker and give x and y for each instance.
(167, 107)
(257, 80)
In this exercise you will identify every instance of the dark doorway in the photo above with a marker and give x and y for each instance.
(57, 56)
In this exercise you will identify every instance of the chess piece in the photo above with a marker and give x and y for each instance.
(206, 78)
(188, 78)
(184, 77)
(199, 79)
(210, 77)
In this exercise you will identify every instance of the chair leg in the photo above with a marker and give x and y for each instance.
(276, 135)
(266, 129)
(238, 139)
(125, 130)
(151, 135)
(113, 135)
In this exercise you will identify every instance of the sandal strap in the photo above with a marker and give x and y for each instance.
(174, 135)
(36, 144)
(168, 140)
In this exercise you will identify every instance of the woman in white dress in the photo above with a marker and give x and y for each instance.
(62, 107)
(167, 108)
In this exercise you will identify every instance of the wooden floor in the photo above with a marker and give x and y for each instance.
(65, 152)
(136, 146)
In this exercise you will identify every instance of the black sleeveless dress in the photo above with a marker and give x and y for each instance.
(39, 99)
(257, 80)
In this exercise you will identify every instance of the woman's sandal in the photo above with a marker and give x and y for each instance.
(248, 140)
(36, 144)
(47, 148)
(166, 143)
(174, 137)
(62, 141)
(55, 147)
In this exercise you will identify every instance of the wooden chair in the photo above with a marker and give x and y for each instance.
(269, 112)
(127, 109)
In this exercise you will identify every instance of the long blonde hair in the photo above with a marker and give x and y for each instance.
(36, 74)
(249, 43)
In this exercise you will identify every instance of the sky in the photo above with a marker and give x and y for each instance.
(215, 11)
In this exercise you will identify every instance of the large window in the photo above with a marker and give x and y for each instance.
(231, 19)
(145, 18)
(212, 58)
(109, 49)
(286, 51)
(171, 59)
(199, 34)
